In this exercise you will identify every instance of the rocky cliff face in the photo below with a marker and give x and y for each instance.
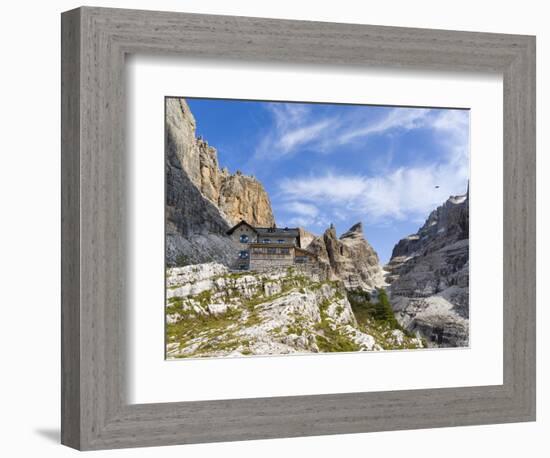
(243, 197)
(350, 258)
(429, 276)
(236, 196)
(212, 312)
(195, 227)
(202, 201)
(306, 237)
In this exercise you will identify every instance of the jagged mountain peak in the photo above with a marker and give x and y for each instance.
(449, 221)
(428, 275)
(355, 231)
(349, 258)
(330, 232)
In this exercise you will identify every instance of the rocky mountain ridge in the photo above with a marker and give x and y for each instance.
(428, 275)
(211, 311)
(237, 196)
(349, 258)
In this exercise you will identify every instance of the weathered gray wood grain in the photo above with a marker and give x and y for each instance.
(95, 410)
(70, 229)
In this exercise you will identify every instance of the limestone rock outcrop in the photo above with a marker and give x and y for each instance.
(202, 201)
(350, 258)
(237, 196)
(242, 197)
(195, 227)
(211, 311)
(306, 237)
(428, 275)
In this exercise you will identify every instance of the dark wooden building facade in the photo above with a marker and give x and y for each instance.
(262, 248)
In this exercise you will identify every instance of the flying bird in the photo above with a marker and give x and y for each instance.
(437, 187)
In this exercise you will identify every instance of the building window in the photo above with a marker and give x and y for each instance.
(244, 238)
(243, 254)
(271, 251)
(284, 251)
(266, 240)
(242, 267)
(280, 241)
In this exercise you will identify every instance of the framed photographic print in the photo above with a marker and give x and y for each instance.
(255, 262)
(286, 228)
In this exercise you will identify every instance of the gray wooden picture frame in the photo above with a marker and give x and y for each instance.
(95, 412)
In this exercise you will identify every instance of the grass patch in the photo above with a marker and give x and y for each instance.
(203, 298)
(378, 319)
(208, 327)
(298, 327)
(332, 341)
(176, 305)
(234, 275)
(329, 339)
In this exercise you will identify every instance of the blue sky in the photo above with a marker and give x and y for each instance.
(341, 164)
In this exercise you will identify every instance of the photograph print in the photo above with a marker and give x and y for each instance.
(306, 227)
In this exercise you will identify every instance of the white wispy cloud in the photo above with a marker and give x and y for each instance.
(303, 135)
(452, 120)
(302, 209)
(331, 187)
(304, 221)
(397, 193)
(404, 193)
(397, 118)
(295, 127)
(298, 213)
